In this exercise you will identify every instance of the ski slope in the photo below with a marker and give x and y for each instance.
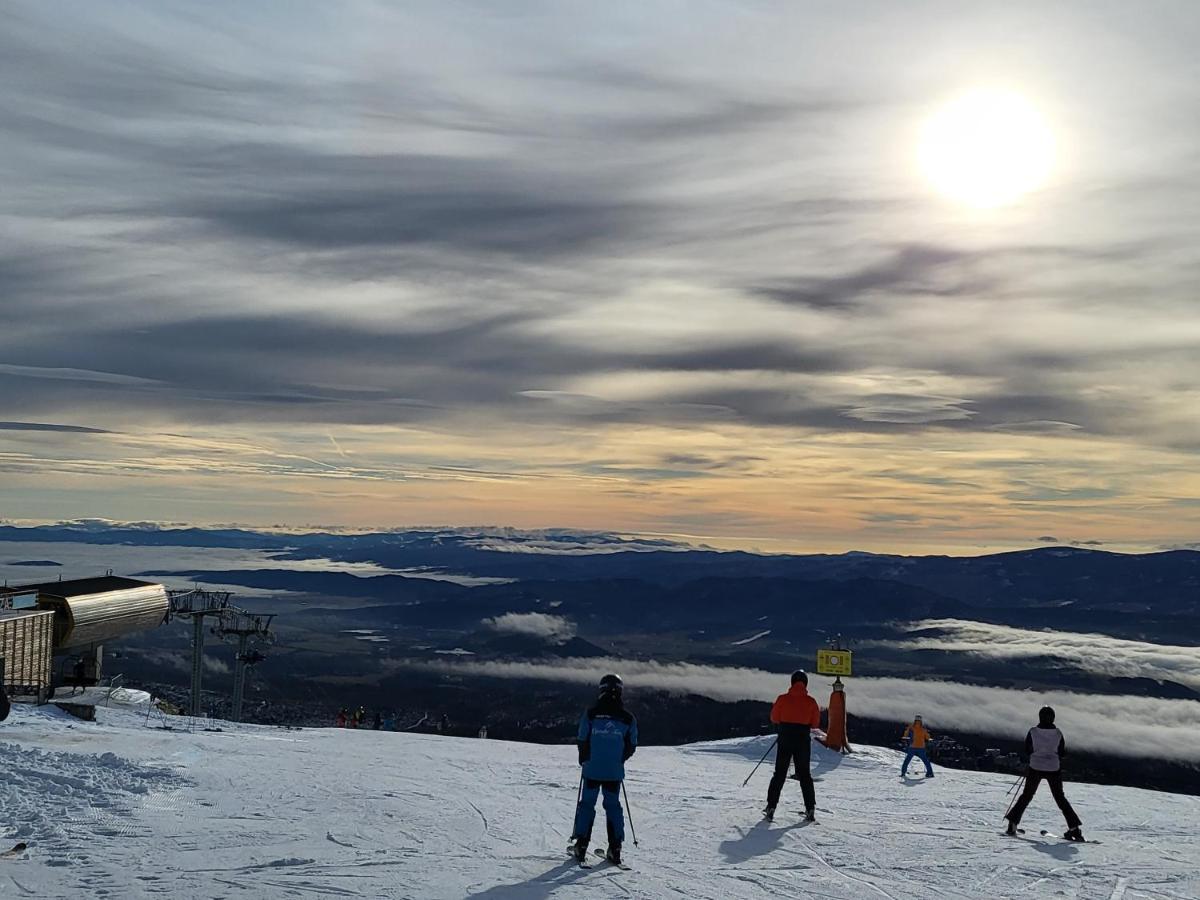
(119, 808)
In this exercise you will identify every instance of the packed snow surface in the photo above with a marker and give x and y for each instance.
(123, 808)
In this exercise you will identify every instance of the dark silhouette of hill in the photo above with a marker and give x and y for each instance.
(1161, 583)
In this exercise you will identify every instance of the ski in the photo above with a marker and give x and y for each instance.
(1051, 834)
(1058, 837)
(16, 850)
(622, 866)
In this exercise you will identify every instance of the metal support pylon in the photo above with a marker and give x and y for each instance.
(197, 661)
(198, 604)
(239, 676)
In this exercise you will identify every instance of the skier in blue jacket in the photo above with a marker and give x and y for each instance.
(608, 736)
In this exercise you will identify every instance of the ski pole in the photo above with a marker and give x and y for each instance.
(629, 812)
(1011, 790)
(761, 761)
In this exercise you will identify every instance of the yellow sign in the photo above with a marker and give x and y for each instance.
(833, 662)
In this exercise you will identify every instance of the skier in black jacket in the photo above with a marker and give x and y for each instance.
(1045, 747)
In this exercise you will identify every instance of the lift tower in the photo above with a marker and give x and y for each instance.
(246, 627)
(197, 604)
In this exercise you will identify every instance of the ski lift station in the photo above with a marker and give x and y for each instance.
(40, 621)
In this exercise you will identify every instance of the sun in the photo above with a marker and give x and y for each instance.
(986, 148)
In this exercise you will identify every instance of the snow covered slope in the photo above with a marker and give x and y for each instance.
(118, 809)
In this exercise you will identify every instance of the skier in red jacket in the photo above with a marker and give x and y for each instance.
(795, 713)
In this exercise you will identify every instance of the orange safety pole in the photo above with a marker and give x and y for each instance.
(835, 733)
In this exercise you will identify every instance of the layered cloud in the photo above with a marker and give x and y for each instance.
(1121, 725)
(1096, 653)
(575, 246)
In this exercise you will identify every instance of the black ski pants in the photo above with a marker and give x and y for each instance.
(800, 752)
(1033, 778)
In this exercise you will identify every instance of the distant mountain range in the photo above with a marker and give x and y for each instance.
(1044, 578)
(346, 633)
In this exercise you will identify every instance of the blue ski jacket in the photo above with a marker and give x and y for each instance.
(608, 736)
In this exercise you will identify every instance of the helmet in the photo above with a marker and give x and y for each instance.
(800, 676)
(611, 685)
(1046, 715)
(916, 718)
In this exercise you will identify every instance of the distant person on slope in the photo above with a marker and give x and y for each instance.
(608, 736)
(917, 737)
(1045, 746)
(341, 718)
(795, 713)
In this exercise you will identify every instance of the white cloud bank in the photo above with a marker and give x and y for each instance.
(557, 629)
(1096, 653)
(1120, 725)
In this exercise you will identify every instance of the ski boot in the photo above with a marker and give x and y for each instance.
(810, 814)
(613, 854)
(769, 813)
(578, 849)
(1011, 830)
(1074, 834)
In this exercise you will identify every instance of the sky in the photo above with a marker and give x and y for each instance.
(669, 268)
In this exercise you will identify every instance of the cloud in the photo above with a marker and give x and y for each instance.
(340, 202)
(1036, 427)
(65, 373)
(1119, 725)
(1097, 653)
(42, 426)
(911, 269)
(569, 543)
(556, 629)
(557, 270)
(1048, 539)
(909, 409)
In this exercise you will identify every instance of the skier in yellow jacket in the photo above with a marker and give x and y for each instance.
(917, 737)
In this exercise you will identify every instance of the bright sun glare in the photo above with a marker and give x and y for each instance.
(986, 148)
